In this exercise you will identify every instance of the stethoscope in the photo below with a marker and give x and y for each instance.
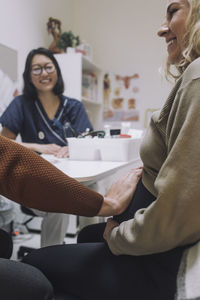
(56, 122)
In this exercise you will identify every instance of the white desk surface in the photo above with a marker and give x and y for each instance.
(86, 172)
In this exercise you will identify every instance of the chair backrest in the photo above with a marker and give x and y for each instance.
(6, 244)
(27, 211)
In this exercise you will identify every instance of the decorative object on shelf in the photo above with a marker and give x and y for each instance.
(54, 28)
(68, 39)
(106, 91)
(85, 49)
(89, 86)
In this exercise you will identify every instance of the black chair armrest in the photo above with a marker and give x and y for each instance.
(6, 244)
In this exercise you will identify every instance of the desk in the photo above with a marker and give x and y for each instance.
(98, 175)
(88, 172)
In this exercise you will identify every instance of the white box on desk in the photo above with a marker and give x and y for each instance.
(108, 149)
(119, 149)
(84, 148)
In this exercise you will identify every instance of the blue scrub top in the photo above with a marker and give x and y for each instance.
(28, 118)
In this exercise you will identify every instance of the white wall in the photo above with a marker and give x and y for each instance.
(122, 33)
(23, 24)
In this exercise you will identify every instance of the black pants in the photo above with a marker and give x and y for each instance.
(90, 271)
(20, 281)
(94, 233)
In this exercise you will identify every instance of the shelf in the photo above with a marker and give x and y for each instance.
(89, 66)
(73, 65)
(89, 101)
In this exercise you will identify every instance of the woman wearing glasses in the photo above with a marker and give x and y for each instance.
(41, 116)
(41, 113)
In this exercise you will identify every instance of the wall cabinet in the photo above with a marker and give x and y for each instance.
(83, 81)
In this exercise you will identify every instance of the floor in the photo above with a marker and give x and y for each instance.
(32, 240)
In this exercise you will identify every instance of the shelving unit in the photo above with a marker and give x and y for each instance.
(73, 67)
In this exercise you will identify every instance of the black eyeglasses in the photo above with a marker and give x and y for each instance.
(38, 69)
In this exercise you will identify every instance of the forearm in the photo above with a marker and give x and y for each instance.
(10, 135)
(30, 146)
(28, 179)
(109, 207)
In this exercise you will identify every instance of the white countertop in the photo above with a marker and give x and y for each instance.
(86, 171)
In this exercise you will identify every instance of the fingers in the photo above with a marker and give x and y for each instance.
(109, 220)
(109, 226)
(53, 149)
(63, 152)
(134, 174)
(138, 172)
(129, 178)
(48, 148)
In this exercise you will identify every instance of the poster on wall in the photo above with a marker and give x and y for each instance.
(121, 96)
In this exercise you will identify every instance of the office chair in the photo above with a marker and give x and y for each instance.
(6, 244)
(23, 250)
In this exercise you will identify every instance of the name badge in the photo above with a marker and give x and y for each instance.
(41, 135)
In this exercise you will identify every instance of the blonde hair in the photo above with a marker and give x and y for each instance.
(192, 49)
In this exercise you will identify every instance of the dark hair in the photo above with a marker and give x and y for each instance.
(29, 89)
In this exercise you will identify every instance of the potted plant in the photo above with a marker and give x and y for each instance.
(68, 39)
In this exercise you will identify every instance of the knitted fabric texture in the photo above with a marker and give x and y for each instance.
(28, 179)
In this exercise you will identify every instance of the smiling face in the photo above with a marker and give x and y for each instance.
(47, 79)
(174, 29)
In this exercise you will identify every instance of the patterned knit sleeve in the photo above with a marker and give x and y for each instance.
(30, 180)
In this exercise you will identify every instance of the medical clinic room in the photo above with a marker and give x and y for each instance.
(99, 154)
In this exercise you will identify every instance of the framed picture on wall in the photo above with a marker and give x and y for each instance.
(121, 96)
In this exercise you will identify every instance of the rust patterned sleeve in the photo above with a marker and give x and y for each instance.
(28, 179)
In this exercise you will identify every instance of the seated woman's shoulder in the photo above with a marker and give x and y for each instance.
(19, 97)
(192, 71)
(21, 101)
(74, 102)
